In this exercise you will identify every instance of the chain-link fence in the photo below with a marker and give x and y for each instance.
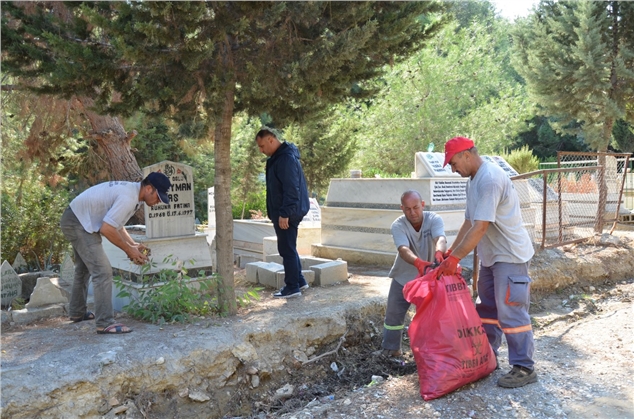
(571, 202)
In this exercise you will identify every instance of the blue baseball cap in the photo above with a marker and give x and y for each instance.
(162, 185)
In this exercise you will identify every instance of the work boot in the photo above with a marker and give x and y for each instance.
(518, 377)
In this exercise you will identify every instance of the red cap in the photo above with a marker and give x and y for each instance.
(455, 146)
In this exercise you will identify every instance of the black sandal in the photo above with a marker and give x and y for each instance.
(89, 315)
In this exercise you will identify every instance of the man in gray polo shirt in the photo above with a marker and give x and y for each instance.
(493, 223)
(419, 237)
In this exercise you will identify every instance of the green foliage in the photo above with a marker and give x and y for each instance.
(170, 296)
(522, 160)
(31, 212)
(545, 142)
(461, 83)
(254, 203)
(577, 59)
(248, 191)
(623, 134)
(327, 145)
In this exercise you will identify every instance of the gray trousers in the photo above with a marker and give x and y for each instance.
(90, 260)
(395, 313)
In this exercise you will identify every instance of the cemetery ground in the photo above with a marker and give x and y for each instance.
(258, 364)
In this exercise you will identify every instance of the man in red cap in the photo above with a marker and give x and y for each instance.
(493, 223)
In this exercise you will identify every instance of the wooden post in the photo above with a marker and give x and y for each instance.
(476, 269)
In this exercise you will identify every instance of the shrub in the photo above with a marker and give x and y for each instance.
(522, 160)
(170, 296)
(30, 224)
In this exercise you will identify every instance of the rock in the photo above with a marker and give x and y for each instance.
(255, 381)
(199, 396)
(183, 392)
(160, 361)
(251, 370)
(284, 392)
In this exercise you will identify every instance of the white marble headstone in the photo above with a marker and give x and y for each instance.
(10, 284)
(176, 218)
(19, 263)
(314, 213)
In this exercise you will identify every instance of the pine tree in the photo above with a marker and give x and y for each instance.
(208, 60)
(578, 62)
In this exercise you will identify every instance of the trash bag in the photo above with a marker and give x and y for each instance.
(449, 343)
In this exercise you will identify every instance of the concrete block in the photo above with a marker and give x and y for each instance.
(6, 316)
(269, 246)
(330, 273)
(309, 276)
(244, 259)
(252, 271)
(29, 315)
(275, 258)
(308, 261)
(267, 273)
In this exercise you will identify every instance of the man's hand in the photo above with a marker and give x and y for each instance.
(283, 222)
(449, 266)
(136, 256)
(421, 265)
(144, 249)
(439, 256)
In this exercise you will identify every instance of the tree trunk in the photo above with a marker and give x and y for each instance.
(114, 146)
(222, 200)
(113, 141)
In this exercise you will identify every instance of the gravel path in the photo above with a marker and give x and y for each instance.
(584, 352)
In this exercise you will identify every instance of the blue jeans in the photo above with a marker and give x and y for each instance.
(90, 261)
(503, 303)
(287, 247)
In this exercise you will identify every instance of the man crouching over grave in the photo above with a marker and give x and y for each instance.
(104, 209)
(419, 237)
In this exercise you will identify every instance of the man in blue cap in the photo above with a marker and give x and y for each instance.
(104, 209)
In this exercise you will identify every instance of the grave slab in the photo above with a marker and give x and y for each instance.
(45, 293)
(10, 284)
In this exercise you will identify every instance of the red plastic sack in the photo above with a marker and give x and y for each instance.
(448, 341)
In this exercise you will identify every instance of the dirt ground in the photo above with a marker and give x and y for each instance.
(584, 350)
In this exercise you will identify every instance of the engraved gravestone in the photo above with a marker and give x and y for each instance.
(19, 264)
(10, 284)
(177, 217)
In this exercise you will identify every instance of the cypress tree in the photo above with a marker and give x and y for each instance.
(578, 62)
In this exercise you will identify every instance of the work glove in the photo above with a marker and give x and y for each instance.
(449, 266)
(439, 257)
(421, 265)
(446, 255)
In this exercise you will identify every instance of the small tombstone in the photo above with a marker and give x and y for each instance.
(11, 284)
(67, 270)
(45, 293)
(177, 217)
(19, 264)
(211, 208)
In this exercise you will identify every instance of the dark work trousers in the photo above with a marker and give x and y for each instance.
(395, 314)
(287, 247)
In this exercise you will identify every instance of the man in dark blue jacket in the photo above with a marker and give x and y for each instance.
(287, 204)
